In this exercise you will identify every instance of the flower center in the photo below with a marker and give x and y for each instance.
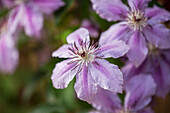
(83, 53)
(137, 20)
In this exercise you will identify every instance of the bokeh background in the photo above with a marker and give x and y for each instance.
(29, 89)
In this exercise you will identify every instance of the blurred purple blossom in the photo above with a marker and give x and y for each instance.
(8, 54)
(92, 28)
(85, 61)
(139, 91)
(29, 14)
(156, 64)
(138, 25)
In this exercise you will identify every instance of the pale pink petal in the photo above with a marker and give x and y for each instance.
(79, 35)
(111, 10)
(118, 31)
(63, 52)
(47, 6)
(157, 15)
(138, 50)
(63, 73)
(139, 91)
(85, 86)
(106, 75)
(158, 35)
(115, 49)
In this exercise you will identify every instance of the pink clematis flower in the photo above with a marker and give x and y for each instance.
(138, 26)
(86, 61)
(139, 92)
(29, 14)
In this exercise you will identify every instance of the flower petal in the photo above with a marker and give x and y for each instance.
(8, 54)
(161, 75)
(106, 101)
(158, 35)
(157, 15)
(138, 50)
(115, 49)
(85, 86)
(63, 73)
(48, 6)
(118, 31)
(106, 75)
(111, 10)
(146, 110)
(32, 21)
(62, 52)
(79, 35)
(139, 91)
(138, 4)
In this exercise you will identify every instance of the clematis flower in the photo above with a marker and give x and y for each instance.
(86, 61)
(8, 54)
(29, 14)
(139, 91)
(156, 64)
(138, 26)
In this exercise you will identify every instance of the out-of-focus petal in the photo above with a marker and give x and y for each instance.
(138, 50)
(115, 49)
(111, 10)
(9, 3)
(47, 6)
(138, 4)
(85, 86)
(79, 35)
(161, 75)
(157, 15)
(63, 73)
(139, 91)
(31, 20)
(106, 101)
(118, 31)
(8, 54)
(62, 52)
(106, 75)
(158, 35)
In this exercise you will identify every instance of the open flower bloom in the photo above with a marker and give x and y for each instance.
(156, 64)
(85, 61)
(138, 25)
(139, 91)
(28, 14)
(8, 54)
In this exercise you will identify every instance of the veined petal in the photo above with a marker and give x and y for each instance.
(47, 6)
(31, 20)
(8, 54)
(157, 15)
(79, 35)
(115, 49)
(106, 75)
(63, 73)
(85, 86)
(106, 101)
(111, 10)
(118, 31)
(139, 91)
(138, 4)
(138, 50)
(158, 35)
(62, 52)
